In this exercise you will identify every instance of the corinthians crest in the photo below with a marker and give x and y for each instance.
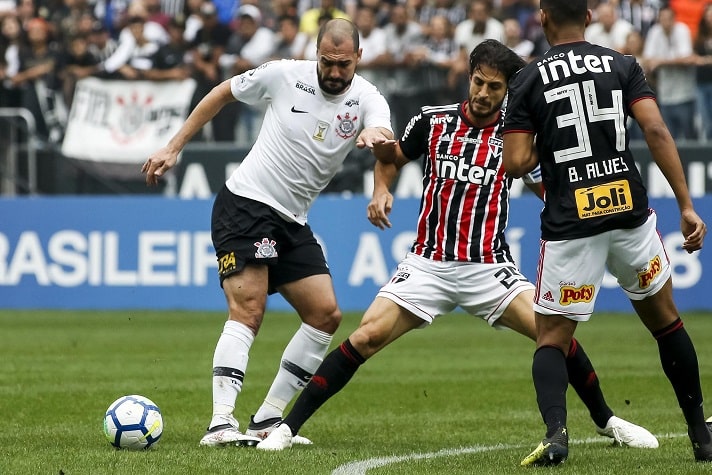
(265, 249)
(347, 126)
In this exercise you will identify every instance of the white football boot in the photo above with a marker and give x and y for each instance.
(628, 434)
(279, 439)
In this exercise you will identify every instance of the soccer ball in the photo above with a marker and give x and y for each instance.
(133, 422)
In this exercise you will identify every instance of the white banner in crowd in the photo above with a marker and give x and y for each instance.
(124, 121)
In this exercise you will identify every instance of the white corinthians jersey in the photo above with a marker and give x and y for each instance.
(305, 136)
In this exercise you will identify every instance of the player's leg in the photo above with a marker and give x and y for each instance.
(400, 306)
(314, 300)
(302, 277)
(639, 261)
(383, 322)
(236, 224)
(519, 316)
(565, 294)
(246, 293)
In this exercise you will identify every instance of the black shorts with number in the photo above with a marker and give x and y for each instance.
(245, 231)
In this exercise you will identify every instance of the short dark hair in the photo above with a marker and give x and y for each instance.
(494, 54)
(339, 28)
(566, 12)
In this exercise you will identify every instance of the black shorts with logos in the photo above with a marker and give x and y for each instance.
(245, 231)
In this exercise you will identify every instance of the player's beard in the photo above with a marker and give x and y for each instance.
(481, 113)
(333, 86)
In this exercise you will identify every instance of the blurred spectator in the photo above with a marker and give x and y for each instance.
(101, 44)
(37, 81)
(10, 44)
(26, 10)
(514, 40)
(642, 14)
(281, 9)
(479, 26)
(193, 19)
(703, 48)
(310, 19)
(65, 20)
(381, 10)
(310, 49)
(634, 45)
(668, 54)
(401, 34)
(134, 50)
(7, 8)
(227, 9)
(533, 31)
(206, 49)
(289, 41)
(171, 61)
(156, 14)
(249, 46)
(373, 43)
(608, 30)
(688, 12)
(520, 10)
(75, 62)
(437, 59)
(453, 10)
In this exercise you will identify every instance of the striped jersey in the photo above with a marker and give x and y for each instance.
(464, 207)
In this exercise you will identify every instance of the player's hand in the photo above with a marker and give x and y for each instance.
(693, 229)
(158, 164)
(372, 136)
(379, 208)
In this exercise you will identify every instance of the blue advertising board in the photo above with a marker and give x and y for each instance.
(156, 253)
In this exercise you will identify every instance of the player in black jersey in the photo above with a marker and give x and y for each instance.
(575, 101)
(460, 257)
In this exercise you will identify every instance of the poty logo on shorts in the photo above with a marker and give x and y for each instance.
(646, 277)
(265, 249)
(571, 294)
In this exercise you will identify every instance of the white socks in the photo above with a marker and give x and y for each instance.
(229, 366)
(300, 359)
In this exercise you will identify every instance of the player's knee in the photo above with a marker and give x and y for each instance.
(368, 339)
(326, 320)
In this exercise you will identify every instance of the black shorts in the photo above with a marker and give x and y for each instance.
(245, 231)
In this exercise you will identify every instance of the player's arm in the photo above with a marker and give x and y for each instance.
(518, 156)
(389, 160)
(165, 158)
(664, 152)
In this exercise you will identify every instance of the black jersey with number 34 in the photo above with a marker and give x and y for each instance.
(576, 99)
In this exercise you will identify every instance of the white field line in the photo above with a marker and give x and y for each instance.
(360, 467)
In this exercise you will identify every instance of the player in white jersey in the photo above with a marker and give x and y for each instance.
(460, 256)
(317, 111)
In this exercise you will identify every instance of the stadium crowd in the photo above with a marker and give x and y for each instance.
(415, 51)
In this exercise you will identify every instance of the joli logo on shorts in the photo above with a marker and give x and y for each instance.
(571, 295)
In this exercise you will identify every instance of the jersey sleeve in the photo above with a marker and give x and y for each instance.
(413, 142)
(254, 86)
(377, 112)
(517, 117)
(638, 87)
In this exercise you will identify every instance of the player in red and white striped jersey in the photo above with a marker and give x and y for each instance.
(460, 257)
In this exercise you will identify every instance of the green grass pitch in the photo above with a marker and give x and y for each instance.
(455, 398)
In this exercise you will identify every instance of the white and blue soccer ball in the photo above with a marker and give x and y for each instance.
(133, 422)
